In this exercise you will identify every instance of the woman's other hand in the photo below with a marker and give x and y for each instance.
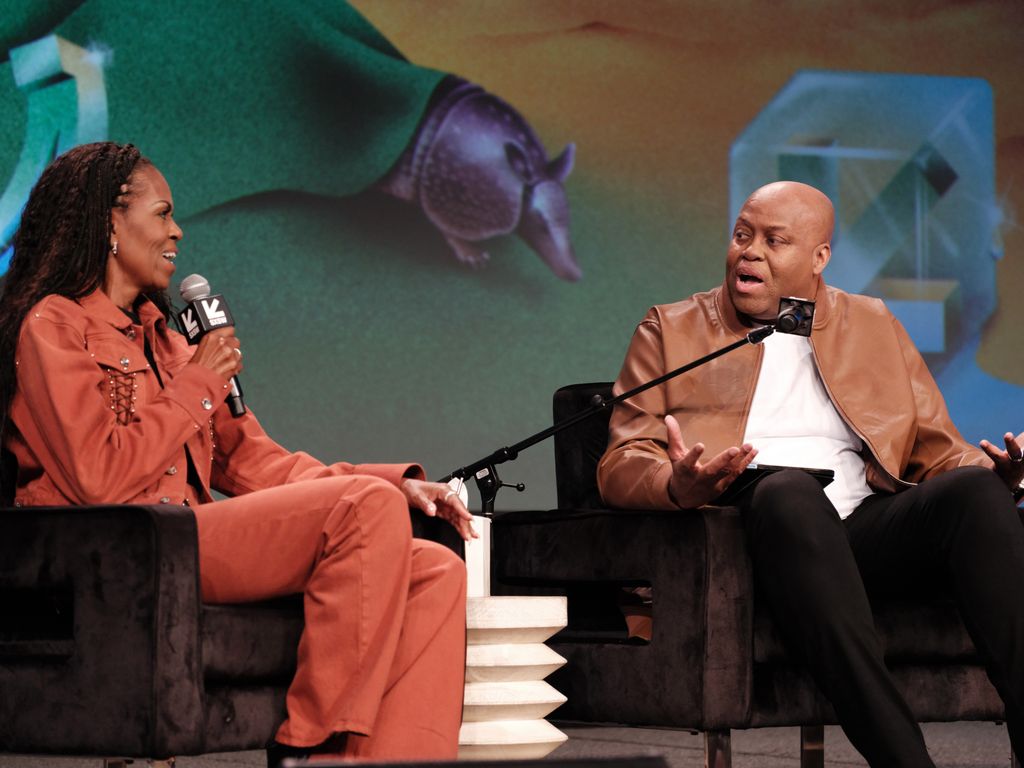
(439, 500)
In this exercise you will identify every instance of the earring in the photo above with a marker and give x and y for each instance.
(113, 248)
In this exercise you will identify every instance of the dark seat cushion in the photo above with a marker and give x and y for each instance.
(251, 643)
(918, 631)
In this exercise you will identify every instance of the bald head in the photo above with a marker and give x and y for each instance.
(808, 206)
(781, 243)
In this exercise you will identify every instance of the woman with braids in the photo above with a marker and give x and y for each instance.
(103, 403)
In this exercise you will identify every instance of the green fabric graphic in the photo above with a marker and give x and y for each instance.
(241, 98)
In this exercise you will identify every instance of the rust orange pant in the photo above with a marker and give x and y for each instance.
(383, 651)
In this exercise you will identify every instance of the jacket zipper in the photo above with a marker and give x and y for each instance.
(751, 388)
(850, 425)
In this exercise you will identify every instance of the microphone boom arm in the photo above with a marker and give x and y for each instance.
(484, 472)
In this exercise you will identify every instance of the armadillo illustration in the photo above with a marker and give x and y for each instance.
(477, 170)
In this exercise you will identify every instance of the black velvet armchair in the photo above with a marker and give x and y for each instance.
(107, 649)
(714, 661)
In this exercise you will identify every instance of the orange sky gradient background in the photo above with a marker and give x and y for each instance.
(653, 93)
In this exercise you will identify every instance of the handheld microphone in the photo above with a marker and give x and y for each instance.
(795, 316)
(205, 313)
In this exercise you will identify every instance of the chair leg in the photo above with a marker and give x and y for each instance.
(717, 749)
(812, 746)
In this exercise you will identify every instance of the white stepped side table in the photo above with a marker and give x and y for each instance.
(506, 698)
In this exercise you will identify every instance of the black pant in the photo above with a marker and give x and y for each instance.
(961, 530)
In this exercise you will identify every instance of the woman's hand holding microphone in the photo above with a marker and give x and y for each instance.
(220, 351)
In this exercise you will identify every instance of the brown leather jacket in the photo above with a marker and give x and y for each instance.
(873, 373)
(90, 424)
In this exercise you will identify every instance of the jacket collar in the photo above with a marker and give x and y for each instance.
(98, 305)
(730, 319)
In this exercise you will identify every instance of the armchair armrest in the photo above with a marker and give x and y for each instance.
(696, 671)
(99, 636)
(437, 530)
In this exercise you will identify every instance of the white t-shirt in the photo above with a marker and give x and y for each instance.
(793, 422)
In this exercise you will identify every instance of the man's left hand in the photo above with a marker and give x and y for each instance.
(439, 500)
(1009, 463)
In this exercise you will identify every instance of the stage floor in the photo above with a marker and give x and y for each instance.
(952, 745)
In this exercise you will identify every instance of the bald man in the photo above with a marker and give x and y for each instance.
(912, 503)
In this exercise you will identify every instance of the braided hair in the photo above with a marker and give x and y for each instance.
(63, 242)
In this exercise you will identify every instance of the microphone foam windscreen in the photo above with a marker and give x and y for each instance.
(194, 287)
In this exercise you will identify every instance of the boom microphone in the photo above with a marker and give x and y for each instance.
(795, 316)
(205, 313)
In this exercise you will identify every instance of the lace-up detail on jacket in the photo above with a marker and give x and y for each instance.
(123, 393)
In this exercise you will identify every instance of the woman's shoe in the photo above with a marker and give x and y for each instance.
(278, 753)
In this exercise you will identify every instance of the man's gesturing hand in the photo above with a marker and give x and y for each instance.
(1009, 464)
(694, 484)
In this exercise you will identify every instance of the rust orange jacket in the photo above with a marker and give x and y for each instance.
(90, 423)
(872, 372)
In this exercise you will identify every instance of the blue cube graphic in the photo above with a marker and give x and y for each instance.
(909, 163)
